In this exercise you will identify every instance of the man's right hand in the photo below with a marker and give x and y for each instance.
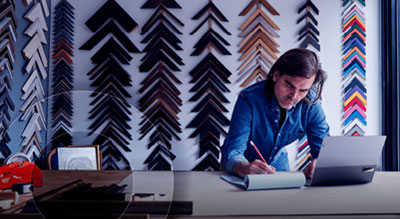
(255, 167)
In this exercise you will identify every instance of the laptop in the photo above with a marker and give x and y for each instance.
(346, 160)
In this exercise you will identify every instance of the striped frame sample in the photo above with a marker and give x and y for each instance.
(354, 68)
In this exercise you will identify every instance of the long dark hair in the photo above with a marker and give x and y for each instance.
(301, 63)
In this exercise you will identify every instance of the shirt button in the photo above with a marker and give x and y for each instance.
(279, 134)
(276, 121)
(275, 148)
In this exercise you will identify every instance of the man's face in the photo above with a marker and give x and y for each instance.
(290, 90)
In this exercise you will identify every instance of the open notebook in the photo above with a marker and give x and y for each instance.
(279, 180)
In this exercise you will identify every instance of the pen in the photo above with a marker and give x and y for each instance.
(258, 152)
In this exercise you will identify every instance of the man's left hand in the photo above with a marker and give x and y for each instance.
(309, 171)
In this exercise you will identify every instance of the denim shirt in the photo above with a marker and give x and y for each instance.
(256, 117)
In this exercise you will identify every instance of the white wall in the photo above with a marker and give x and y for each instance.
(187, 150)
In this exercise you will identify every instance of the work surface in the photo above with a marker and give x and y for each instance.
(213, 196)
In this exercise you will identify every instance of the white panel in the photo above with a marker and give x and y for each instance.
(329, 25)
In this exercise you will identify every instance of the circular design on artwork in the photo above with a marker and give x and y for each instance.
(16, 157)
(78, 163)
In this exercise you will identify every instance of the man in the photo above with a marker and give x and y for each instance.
(275, 112)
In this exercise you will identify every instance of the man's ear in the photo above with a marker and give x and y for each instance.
(275, 76)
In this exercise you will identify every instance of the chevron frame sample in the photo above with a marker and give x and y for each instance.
(258, 46)
(164, 3)
(33, 91)
(354, 68)
(160, 102)
(210, 77)
(308, 35)
(8, 37)
(110, 110)
(62, 83)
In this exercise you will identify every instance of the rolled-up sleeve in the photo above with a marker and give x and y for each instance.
(235, 142)
(317, 128)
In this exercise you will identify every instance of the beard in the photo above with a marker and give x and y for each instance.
(287, 102)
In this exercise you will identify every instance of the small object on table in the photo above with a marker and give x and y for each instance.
(7, 199)
(149, 197)
(20, 172)
(22, 188)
